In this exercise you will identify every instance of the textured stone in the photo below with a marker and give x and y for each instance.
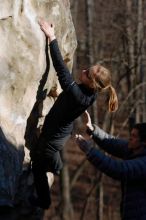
(27, 81)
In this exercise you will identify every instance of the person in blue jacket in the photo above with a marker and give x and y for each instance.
(130, 169)
(58, 124)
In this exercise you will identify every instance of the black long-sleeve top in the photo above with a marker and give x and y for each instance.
(72, 102)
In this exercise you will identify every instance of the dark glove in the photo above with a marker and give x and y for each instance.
(84, 145)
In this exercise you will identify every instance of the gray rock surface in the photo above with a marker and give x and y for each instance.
(27, 82)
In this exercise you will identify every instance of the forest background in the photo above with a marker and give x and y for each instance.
(113, 34)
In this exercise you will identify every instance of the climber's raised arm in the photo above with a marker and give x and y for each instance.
(63, 72)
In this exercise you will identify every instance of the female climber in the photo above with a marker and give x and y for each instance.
(58, 124)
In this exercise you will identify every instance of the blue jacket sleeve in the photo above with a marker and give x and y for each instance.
(133, 169)
(114, 146)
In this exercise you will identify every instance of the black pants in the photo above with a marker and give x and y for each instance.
(40, 169)
(41, 164)
(45, 158)
(41, 184)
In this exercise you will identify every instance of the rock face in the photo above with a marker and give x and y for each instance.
(27, 80)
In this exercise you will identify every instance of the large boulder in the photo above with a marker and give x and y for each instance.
(28, 81)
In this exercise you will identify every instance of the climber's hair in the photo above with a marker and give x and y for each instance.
(101, 80)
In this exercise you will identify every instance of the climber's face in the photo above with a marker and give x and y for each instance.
(86, 78)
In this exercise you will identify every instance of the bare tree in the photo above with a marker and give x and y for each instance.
(131, 43)
(139, 44)
(90, 45)
(66, 205)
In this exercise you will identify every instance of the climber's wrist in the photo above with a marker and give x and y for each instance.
(51, 38)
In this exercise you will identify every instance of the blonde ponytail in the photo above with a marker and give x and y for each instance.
(101, 81)
(113, 99)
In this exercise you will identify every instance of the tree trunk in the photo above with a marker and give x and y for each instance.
(90, 47)
(139, 59)
(67, 210)
(130, 36)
